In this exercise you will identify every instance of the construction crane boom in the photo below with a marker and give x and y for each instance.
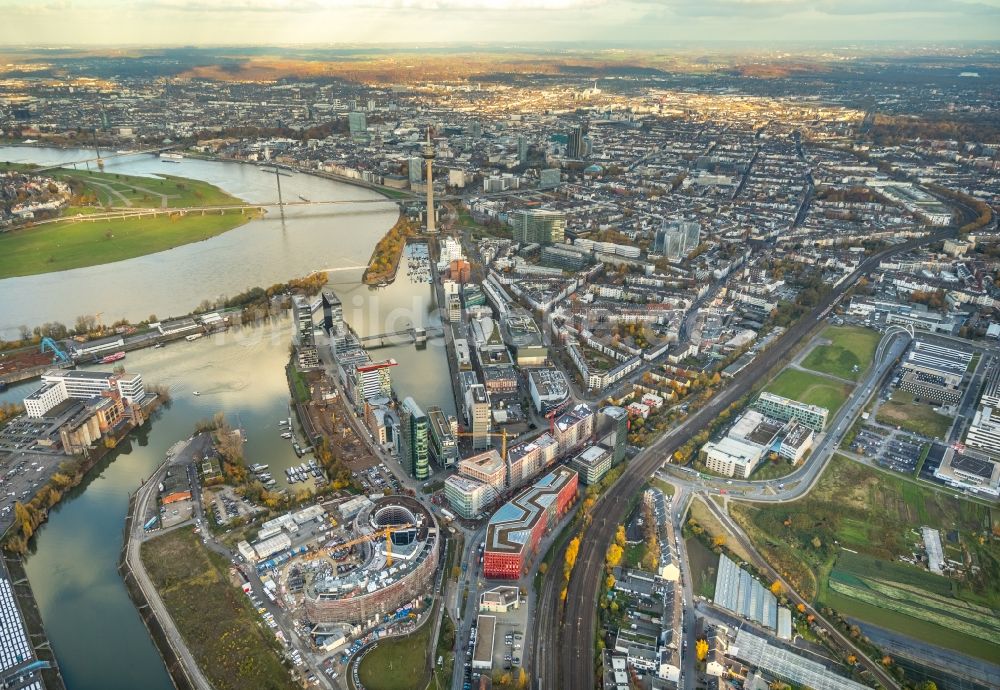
(503, 435)
(386, 532)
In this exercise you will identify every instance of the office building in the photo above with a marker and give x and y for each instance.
(59, 385)
(572, 429)
(676, 239)
(731, 457)
(565, 256)
(414, 452)
(592, 463)
(786, 410)
(548, 388)
(575, 145)
(612, 431)
(333, 311)
(984, 432)
(515, 530)
(549, 178)
(477, 411)
(468, 497)
(305, 344)
(444, 445)
(525, 460)
(357, 123)
(487, 467)
(538, 226)
(415, 170)
(372, 381)
(522, 149)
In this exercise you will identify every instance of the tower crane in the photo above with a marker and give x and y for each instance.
(386, 532)
(502, 435)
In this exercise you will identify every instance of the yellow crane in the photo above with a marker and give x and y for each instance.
(502, 435)
(387, 533)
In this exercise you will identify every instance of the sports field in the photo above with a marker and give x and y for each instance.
(847, 356)
(811, 389)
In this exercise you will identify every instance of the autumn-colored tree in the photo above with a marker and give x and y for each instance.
(776, 588)
(851, 659)
(719, 540)
(609, 582)
(620, 536)
(614, 555)
(701, 649)
(887, 660)
(801, 608)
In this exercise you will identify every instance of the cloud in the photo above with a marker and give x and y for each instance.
(765, 9)
(303, 6)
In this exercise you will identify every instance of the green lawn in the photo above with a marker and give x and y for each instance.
(904, 411)
(847, 356)
(400, 663)
(65, 245)
(811, 389)
(226, 636)
(71, 244)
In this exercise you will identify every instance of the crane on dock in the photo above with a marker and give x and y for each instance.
(58, 354)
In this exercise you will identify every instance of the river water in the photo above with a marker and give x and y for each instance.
(97, 636)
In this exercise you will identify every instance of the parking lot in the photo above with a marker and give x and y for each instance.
(21, 476)
(893, 450)
(376, 479)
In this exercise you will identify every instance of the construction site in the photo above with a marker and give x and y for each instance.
(380, 559)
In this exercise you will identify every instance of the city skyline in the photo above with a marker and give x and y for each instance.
(420, 22)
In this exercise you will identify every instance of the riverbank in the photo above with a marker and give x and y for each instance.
(386, 257)
(181, 676)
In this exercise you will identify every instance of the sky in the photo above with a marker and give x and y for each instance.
(284, 22)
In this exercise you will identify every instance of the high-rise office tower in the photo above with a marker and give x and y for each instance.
(539, 226)
(413, 437)
(522, 150)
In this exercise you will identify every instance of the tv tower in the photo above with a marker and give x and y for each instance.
(428, 153)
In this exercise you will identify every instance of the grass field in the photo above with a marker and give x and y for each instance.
(61, 246)
(231, 645)
(811, 389)
(847, 356)
(72, 244)
(399, 663)
(877, 515)
(904, 411)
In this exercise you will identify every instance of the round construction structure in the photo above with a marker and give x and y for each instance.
(400, 550)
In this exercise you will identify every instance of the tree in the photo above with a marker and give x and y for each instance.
(614, 555)
(928, 685)
(620, 536)
(816, 542)
(701, 649)
(776, 588)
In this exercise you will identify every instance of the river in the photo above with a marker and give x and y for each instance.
(171, 283)
(97, 635)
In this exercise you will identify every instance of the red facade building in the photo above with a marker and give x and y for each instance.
(515, 530)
